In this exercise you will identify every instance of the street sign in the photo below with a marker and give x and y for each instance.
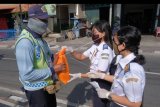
(50, 9)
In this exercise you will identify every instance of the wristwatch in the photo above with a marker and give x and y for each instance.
(109, 97)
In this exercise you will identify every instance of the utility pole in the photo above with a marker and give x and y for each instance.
(157, 16)
(20, 16)
(59, 18)
(110, 15)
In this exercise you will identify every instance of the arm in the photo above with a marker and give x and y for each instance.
(25, 61)
(133, 87)
(109, 78)
(124, 101)
(77, 55)
(99, 75)
(103, 93)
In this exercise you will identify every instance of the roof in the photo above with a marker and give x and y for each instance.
(14, 7)
(7, 6)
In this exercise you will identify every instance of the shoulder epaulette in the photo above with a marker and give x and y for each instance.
(105, 46)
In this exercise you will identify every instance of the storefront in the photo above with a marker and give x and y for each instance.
(143, 16)
(95, 12)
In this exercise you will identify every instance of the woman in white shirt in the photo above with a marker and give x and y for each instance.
(129, 79)
(100, 55)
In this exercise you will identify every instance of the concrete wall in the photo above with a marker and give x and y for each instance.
(81, 11)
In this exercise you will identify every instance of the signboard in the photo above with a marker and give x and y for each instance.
(50, 9)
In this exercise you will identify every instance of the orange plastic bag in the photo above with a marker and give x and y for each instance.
(63, 76)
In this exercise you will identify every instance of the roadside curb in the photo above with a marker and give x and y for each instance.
(149, 52)
(3, 46)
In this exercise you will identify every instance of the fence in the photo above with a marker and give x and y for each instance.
(7, 34)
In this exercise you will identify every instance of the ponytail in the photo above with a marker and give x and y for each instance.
(140, 59)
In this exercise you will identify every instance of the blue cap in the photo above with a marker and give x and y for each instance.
(37, 12)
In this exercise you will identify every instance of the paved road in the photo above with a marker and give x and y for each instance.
(149, 44)
(76, 93)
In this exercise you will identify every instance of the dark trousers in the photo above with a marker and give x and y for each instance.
(41, 98)
(98, 102)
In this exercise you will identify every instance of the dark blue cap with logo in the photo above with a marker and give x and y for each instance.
(36, 11)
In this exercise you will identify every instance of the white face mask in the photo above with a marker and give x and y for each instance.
(37, 26)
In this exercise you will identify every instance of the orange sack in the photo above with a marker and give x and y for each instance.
(63, 76)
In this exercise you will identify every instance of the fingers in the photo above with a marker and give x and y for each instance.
(71, 79)
(64, 47)
(63, 66)
(74, 76)
(59, 67)
(71, 74)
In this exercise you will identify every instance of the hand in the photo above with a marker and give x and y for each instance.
(58, 85)
(68, 48)
(50, 89)
(59, 67)
(96, 75)
(102, 93)
(74, 76)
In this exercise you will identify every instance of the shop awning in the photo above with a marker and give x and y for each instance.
(7, 6)
(14, 7)
(24, 8)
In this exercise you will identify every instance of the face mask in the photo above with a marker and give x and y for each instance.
(116, 50)
(37, 26)
(96, 39)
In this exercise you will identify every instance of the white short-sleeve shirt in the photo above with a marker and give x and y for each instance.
(100, 57)
(131, 83)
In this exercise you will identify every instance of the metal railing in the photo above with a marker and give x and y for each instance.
(7, 34)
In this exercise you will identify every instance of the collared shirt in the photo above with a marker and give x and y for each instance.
(100, 57)
(25, 61)
(129, 83)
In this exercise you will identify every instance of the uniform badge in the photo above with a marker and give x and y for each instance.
(131, 80)
(105, 46)
(38, 52)
(126, 68)
(104, 56)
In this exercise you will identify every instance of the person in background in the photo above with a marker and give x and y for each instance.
(35, 61)
(129, 80)
(100, 55)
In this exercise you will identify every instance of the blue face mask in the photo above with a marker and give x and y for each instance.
(37, 25)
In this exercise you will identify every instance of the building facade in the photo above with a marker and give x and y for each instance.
(144, 16)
